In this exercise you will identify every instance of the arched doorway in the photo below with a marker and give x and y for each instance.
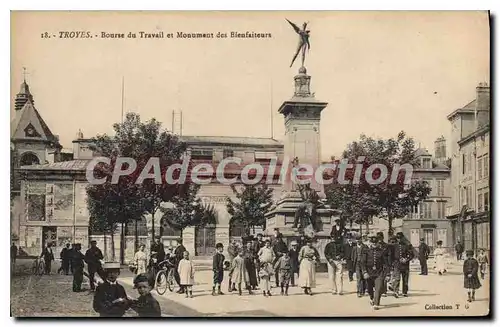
(29, 158)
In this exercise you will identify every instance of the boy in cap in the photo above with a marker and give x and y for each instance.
(110, 299)
(146, 305)
(357, 254)
(218, 268)
(403, 254)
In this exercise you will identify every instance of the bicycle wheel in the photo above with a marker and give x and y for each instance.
(171, 280)
(41, 268)
(161, 282)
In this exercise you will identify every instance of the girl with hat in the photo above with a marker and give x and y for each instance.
(140, 260)
(471, 280)
(440, 258)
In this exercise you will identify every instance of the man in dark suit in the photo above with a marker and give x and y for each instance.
(48, 257)
(374, 266)
(65, 259)
(77, 264)
(179, 255)
(423, 255)
(387, 251)
(294, 261)
(403, 254)
(93, 258)
(348, 248)
(357, 254)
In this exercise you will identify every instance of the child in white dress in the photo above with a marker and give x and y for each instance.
(186, 274)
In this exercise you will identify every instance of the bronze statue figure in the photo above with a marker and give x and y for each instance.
(303, 41)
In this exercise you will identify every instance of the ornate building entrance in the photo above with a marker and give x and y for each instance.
(204, 240)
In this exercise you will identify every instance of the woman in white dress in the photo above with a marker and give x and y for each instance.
(141, 260)
(308, 257)
(440, 258)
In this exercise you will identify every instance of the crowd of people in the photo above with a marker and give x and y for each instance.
(257, 262)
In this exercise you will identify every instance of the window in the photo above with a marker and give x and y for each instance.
(427, 206)
(469, 197)
(429, 236)
(441, 208)
(464, 197)
(480, 168)
(485, 166)
(486, 201)
(202, 154)
(426, 163)
(227, 153)
(440, 187)
(463, 164)
(480, 202)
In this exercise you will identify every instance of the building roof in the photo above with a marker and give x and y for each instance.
(235, 140)
(72, 165)
(421, 152)
(469, 108)
(28, 115)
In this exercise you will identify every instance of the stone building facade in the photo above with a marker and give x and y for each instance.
(469, 212)
(427, 220)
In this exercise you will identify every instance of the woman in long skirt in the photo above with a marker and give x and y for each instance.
(440, 258)
(140, 260)
(308, 257)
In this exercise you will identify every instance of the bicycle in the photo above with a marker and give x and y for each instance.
(38, 267)
(165, 278)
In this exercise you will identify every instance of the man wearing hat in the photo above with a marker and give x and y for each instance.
(334, 253)
(423, 255)
(388, 260)
(77, 263)
(357, 253)
(373, 265)
(110, 299)
(93, 258)
(179, 255)
(403, 254)
(293, 253)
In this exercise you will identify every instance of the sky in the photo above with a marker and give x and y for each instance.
(380, 72)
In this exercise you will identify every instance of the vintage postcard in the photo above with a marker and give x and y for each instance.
(250, 164)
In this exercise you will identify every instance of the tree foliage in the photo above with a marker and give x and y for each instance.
(251, 204)
(188, 210)
(128, 200)
(392, 198)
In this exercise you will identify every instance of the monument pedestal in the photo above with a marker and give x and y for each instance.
(302, 115)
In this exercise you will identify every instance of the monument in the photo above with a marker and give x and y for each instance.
(300, 208)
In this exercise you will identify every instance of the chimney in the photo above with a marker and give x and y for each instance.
(482, 113)
(440, 150)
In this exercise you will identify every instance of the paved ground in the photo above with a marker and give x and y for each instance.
(51, 296)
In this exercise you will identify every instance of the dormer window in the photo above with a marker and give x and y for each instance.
(30, 131)
(426, 163)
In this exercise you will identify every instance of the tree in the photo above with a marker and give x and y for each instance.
(188, 210)
(130, 199)
(251, 204)
(392, 198)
